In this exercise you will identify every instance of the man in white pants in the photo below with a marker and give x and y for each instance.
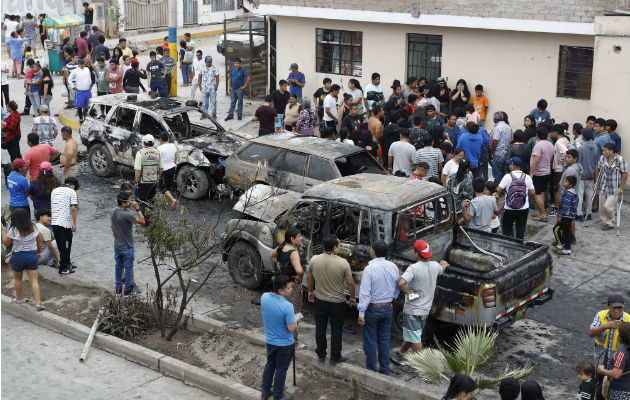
(614, 174)
(197, 66)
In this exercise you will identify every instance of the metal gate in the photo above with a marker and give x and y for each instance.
(190, 12)
(143, 14)
(424, 56)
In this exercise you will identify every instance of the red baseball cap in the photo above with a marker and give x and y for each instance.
(423, 248)
(19, 163)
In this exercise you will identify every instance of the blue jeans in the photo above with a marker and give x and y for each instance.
(278, 360)
(209, 100)
(158, 87)
(236, 95)
(124, 259)
(376, 335)
(47, 257)
(498, 168)
(185, 73)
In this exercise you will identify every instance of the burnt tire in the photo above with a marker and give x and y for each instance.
(192, 183)
(101, 160)
(245, 265)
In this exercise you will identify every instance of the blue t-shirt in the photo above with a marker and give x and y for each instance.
(540, 117)
(296, 89)
(17, 185)
(453, 134)
(277, 313)
(616, 140)
(238, 77)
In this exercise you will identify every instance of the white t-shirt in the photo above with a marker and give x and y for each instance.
(346, 141)
(11, 25)
(5, 75)
(402, 153)
(450, 168)
(331, 103)
(23, 243)
(357, 94)
(167, 152)
(421, 277)
(61, 200)
(507, 180)
(192, 44)
(197, 67)
(372, 88)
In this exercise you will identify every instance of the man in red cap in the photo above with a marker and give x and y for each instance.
(418, 284)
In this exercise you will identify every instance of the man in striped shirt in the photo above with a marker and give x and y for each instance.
(64, 204)
(431, 156)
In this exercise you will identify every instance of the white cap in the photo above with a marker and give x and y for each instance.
(148, 138)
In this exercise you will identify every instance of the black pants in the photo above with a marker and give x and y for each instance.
(336, 313)
(13, 147)
(167, 85)
(518, 216)
(145, 194)
(263, 132)
(562, 232)
(275, 372)
(63, 236)
(5, 95)
(27, 105)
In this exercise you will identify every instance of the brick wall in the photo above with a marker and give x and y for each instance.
(545, 10)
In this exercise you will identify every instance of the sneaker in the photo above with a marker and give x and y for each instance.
(560, 246)
(552, 213)
(337, 361)
(579, 218)
(265, 396)
(72, 266)
(229, 117)
(119, 291)
(64, 270)
(214, 116)
(396, 357)
(135, 288)
(321, 359)
(590, 217)
(607, 227)
(240, 117)
(128, 292)
(573, 240)
(566, 252)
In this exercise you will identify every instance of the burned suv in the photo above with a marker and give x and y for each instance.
(115, 124)
(492, 280)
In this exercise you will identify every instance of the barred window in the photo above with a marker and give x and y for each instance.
(339, 52)
(575, 72)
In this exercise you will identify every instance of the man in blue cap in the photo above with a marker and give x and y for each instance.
(208, 83)
(518, 186)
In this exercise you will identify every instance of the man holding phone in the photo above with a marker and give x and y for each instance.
(418, 284)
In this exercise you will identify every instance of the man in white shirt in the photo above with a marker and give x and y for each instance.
(64, 205)
(168, 153)
(197, 66)
(331, 113)
(81, 79)
(518, 187)
(375, 86)
(10, 25)
(400, 154)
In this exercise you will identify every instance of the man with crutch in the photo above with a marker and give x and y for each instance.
(611, 175)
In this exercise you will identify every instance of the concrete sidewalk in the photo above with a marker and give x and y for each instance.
(36, 360)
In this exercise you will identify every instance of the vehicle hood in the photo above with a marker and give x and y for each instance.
(222, 144)
(244, 38)
(266, 203)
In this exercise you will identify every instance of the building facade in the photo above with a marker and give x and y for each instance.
(565, 51)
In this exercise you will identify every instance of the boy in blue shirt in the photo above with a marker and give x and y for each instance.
(279, 323)
(18, 186)
(540, 113)
(566, 215)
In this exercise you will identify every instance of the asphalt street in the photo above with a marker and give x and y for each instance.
(38, 363)
(554, 336)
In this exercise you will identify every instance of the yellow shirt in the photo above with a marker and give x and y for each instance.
(127, 52)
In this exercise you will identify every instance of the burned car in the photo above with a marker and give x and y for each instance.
(115, 123)
(296, 162)
(492, 280)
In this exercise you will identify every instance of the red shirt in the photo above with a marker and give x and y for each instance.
(37, 155)
(13, 126)
(115, 87)
(82, 47)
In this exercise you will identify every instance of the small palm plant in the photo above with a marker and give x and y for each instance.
(471, 349)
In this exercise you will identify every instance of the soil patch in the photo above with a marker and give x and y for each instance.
(216, 351)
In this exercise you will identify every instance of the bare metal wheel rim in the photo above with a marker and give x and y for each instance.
(245, 268)
(191, 183)
(99, 161)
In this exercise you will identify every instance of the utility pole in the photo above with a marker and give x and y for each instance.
(172, 42)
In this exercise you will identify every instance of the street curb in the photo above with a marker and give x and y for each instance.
(214, 32)
(369, 380)
(187, 373)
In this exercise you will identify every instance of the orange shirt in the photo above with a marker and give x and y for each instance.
(480, 104)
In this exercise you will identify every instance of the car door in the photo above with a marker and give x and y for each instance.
(286, 170)
(249, 165)
(319, 170)
(351, 225)
(119, 131)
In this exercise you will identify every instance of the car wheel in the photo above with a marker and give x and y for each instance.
(245, 265)
(192, 182)
(101, 160)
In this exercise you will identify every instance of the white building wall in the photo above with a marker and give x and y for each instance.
(208, 16)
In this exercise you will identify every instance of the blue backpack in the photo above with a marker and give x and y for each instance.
(516, 192)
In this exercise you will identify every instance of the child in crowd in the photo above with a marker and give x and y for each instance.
(344, 136)
(422, 169)
(491, 190)
(586, 372)
(434, 118)
(480, 102)
(479, 211)
(472, 114)
(540, 113)
(566, 216)
(28, 53)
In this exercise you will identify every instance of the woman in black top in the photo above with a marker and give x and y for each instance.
(117, 55)
(530, 127)
(131, 80)
(460, 96)
(288, 263)
(520, 149)
(45, 89)
(443, 94)
(619, 374)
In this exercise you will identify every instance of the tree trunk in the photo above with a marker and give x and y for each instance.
(159, 299)
(182, 305)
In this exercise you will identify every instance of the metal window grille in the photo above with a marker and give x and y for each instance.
(222, 5)
(575, 72)
(424, 56)
(339, 52)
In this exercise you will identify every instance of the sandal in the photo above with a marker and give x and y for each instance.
(16, 301)
(301, 346)
(174, 205)
(40, 307)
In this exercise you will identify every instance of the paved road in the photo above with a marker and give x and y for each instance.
(41, 364)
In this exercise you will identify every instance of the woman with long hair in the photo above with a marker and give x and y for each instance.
(461, 388)
(444, 96)
(531, 390)
(13, 130)
(620, 370)
(117, 54)
(42, 186)
(460, 185)
(396, 92)
(45, 89)
(530, 127)
(460, 96)
(288, 263)
(27, 245)
(357, 94)
(520, 149)
(131, 80)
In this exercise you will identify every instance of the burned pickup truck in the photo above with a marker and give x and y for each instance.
(115, 123)
(492, 280)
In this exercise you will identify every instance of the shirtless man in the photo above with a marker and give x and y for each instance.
(376, 127)
(69, 154)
